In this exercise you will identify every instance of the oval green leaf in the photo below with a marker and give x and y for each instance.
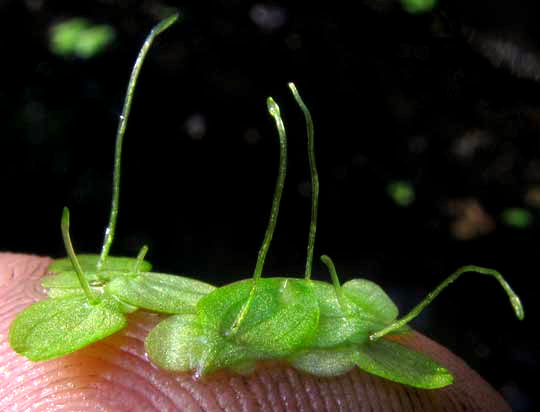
(174, 344)
(159, 292)
(68, 280)
(397, 363)
(370, 297)
(358, 312)
(283, 315)
(55, 327)
(89, 264)
(326, 362)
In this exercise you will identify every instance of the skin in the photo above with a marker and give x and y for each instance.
(115, 374)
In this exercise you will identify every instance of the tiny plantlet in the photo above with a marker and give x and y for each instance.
(90, 294)
(321, 328)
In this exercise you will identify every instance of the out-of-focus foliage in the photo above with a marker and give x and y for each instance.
(401, 192)
(517, 217)
(418, 6)
(79, 38)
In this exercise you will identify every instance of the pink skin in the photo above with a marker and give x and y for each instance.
(115, 374)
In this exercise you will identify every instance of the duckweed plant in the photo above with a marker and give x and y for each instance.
(321, 328)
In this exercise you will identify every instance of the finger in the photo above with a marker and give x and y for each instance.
(116, 375)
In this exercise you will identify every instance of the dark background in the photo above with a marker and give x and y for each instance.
(448, 100)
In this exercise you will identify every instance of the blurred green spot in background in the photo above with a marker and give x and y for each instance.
(79, 38)
(401, 192)
(418, 6)
(517, 217)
